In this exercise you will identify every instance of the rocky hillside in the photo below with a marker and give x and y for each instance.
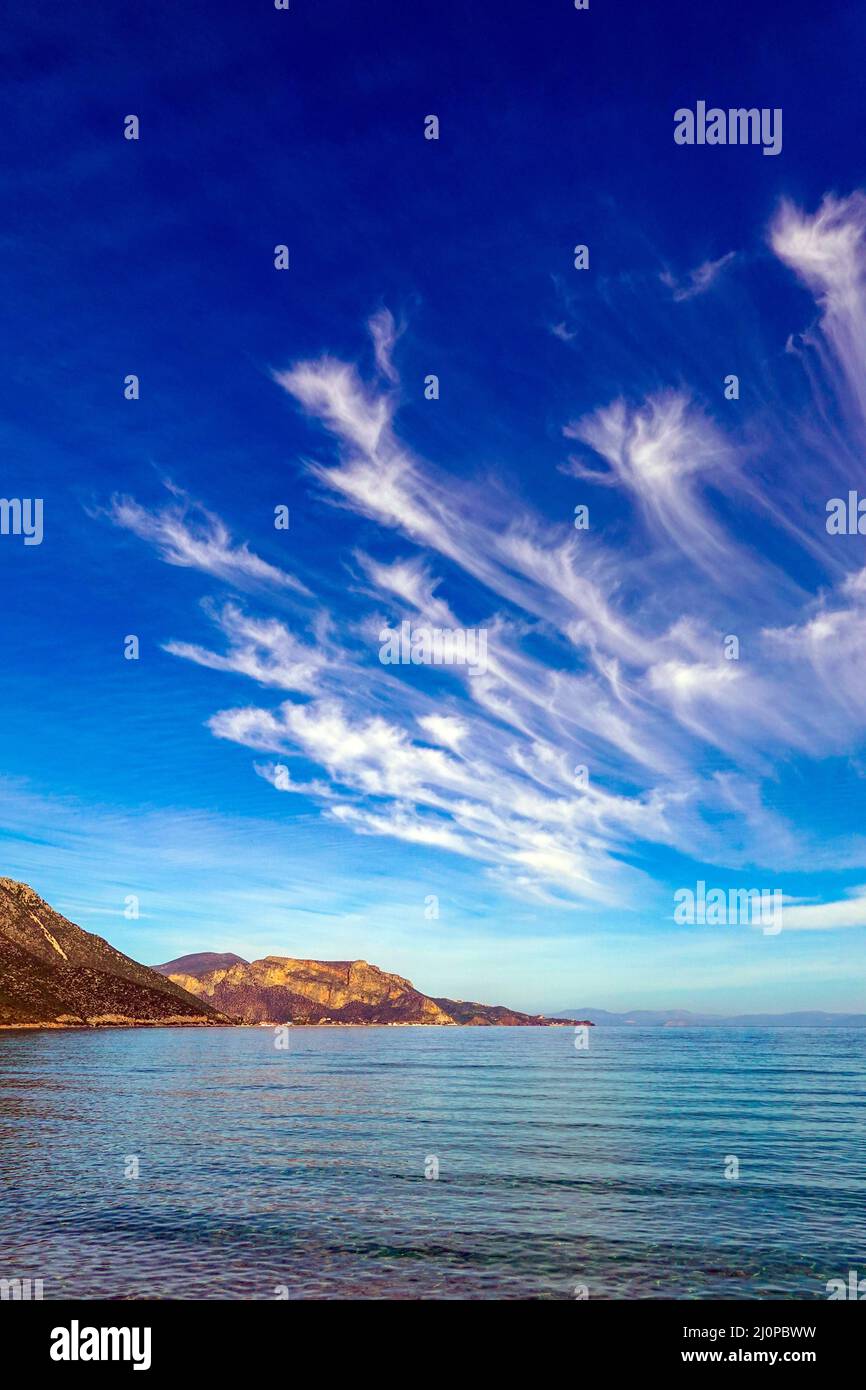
(280, 989)
(53, 973)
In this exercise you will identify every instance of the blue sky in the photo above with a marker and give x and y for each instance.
(558, 387)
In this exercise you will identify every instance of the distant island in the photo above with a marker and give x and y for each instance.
(54, 974)
(683, 1018)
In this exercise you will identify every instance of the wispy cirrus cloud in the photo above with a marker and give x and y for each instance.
(661, 453)
(188, 535)
(827, 250)
(605, 656)
(384, 332)
(828, 916)
(697, 281)
(262, 648)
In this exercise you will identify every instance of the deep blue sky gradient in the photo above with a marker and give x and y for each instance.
(155, 257)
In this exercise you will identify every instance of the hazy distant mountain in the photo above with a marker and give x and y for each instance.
(280, 989)
(53, 972)
(682, 1018)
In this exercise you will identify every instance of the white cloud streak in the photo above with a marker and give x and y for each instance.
(191, 537)
(601, 656)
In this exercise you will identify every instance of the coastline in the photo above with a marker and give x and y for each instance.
(105, 1024)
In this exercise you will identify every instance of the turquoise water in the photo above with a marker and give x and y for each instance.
(304, 1169)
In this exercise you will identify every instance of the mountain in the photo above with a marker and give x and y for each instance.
(280, 989)
(682, 1018)
(200, 964)
(53, 973)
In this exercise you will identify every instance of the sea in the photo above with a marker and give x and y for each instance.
(433, 1163)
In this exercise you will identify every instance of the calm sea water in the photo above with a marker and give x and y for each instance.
(305, 1168)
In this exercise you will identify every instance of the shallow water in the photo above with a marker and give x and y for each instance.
(304, 1169)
